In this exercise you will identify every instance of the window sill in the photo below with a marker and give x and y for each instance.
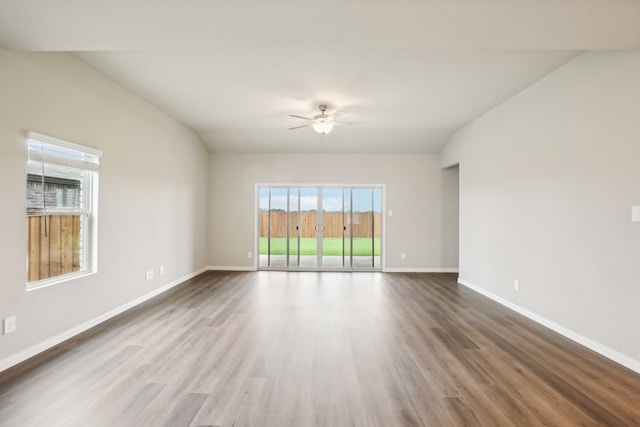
(32, 286)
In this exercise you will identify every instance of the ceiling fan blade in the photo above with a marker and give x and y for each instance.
(337, 114)
(298, 127)
(340, 122)
(299, 117)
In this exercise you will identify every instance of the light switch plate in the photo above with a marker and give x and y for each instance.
(9, 325)
(635, 213)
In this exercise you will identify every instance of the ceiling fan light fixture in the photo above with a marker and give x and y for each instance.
(323, 127)
(321, 123)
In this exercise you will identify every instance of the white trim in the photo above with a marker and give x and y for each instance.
(420, 270)
(388, 270)
(256, 226)
(39, 284)
(231, 268)
(383, 230)
(605, 351)
(34, 350)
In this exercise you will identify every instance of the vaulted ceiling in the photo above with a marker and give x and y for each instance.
(412, 72)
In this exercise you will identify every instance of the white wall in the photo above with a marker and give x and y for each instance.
(547, 181)
(153, 189)
(413, 189)
(450, 217)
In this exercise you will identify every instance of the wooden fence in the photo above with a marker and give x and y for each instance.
(55, 252)
(332, 221)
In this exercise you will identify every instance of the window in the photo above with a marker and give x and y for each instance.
(62, 194)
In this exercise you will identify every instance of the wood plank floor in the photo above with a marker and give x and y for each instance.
(319, 349)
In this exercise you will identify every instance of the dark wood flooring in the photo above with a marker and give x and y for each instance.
(319, 349)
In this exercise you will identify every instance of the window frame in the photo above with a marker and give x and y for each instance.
(87, 163)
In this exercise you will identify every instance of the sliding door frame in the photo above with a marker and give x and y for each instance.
(383, 225)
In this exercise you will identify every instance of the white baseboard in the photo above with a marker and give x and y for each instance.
(420, 270)
(386, 270)
(605, 351)
(230, 268)
(34, 350)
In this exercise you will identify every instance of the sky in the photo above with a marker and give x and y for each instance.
(332, 199)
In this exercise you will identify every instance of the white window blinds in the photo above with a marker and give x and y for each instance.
(54, 151)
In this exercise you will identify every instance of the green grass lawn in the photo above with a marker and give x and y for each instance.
(331, 246)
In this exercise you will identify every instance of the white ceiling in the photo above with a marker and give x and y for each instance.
(411, 71)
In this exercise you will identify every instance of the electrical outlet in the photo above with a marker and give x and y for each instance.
(148, 275)
(635, 213)
(161, 270)
(249, 254)
(516, 285)
(403, 255)
(9, 325)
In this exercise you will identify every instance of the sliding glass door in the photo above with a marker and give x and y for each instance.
(274, 227)
(319, 228)
(307, 224)
(365, 227)
(333, 229)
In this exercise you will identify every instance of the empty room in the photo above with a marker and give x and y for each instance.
(320, 214)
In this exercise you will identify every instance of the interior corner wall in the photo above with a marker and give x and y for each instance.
(413, 193)
(450, 217)
(152, 196)
(547, 182)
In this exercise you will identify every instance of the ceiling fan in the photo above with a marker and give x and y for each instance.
(321, 123)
